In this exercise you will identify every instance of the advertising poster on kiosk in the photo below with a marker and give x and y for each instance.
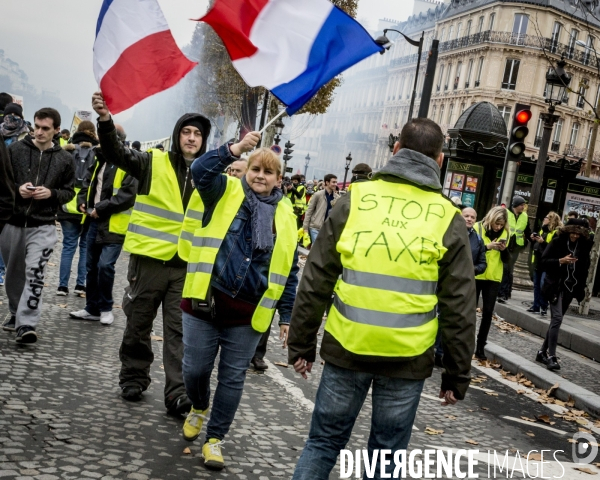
(583, 205)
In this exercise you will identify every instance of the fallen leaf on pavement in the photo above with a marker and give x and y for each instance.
(483, 408)
(156, 338)
(62, 305)
(520, 392)
(531, 434)
(528, 419)
(472, 442)
(451, 417)
(493, 394)
(546, 419)
(534, 456)
(187, 450)
(281, 364)
(52, 264)
(433, 431)
(162, 367)
(586, 470)
(581, 421)
(552, 389)
(117, 306)
(572, 440)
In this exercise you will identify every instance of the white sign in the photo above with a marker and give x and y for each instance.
(582, 204)
(78, 117)
(549, 198)
(147, 145)
(18, 99)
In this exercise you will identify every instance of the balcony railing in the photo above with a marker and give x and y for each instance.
(573, 151)
(505, 38)
(537, 142)
(555, 146)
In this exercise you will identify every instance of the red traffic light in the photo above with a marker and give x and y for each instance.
(523, 116)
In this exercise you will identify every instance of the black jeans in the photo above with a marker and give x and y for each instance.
(261, 349)
(557, 312)
(489, 291)
(507, 273)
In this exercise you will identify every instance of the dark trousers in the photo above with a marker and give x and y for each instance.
(557, 312)
(261, 348)
(101, 259)
(489, 291)
(538, 299)
(507, 274)
(151, 283)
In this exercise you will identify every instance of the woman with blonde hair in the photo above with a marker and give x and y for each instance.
(242, 266)
(539, 241)
(495, 233)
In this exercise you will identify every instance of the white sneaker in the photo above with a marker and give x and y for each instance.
(106, 318)
(84, 315)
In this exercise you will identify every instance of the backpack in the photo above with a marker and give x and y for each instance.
(83, 158)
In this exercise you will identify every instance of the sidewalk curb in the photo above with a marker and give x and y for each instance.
(575, 340)
(544, 378)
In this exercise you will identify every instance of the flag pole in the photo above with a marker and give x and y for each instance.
(280, 114)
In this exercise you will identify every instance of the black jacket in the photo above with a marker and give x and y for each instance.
(109, 204)
(139, 164)
(52, 169)
(557, 274)
(477, 251)
(7, 186)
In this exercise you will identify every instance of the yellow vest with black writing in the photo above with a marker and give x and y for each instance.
(208, 240)
(386, 299)
(495, 267)
(517, 226)
(157, 219)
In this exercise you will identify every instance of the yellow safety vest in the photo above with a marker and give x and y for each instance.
(191, 223)
(157, 218)
(62, 141)
(72, 206)
(494, 268)
(208, 240)
(300, 202)
(385, 302)
(518, 226)
(119, 222)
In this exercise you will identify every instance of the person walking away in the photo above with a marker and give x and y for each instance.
(5, 99)
(320, 206)
(45, 176)
(70, 217)
(297, 194)
(243, 266)
(478, 252)
(566, 262)
(13, 128)
(539, 243)
(108, 194)
(360, 173)
(166, 213)
(495, 233)
(7, 198)
(401, 249)
(519, 228)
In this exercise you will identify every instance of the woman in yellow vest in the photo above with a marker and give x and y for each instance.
(539, 243)
(494, 231)
(242, 266)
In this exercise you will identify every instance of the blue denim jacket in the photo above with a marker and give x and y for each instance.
(239, 271)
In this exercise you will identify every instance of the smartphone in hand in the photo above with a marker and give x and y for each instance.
(31, 188)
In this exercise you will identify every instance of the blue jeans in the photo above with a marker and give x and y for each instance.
(538, 299)
(201, 342)
(313, 232)
(101, 259)
(340, 397)
(72, 233)
(2, 267)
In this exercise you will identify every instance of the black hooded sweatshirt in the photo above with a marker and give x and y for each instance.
(139, 164)
(53, 169)
(7, 185)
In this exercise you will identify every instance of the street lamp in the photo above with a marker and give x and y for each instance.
(392, 139)
(306, 162)
(279, 125)
(348, 162)
(557, 82)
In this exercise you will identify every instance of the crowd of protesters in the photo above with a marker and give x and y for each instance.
(212, 238)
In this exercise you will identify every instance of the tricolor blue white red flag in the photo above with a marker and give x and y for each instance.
(290, 47)
(135, 54)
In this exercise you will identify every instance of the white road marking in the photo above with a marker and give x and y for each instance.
(295, 392)
(535, 424)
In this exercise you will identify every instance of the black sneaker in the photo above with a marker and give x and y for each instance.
(9, 323)
(133, 393)
(62, 291)
(501, 300)
(182, 406)
(543, 312)
(26, 334)
(542, 357)
(259, 364)
(480, 354)
(533, 310)
(438, 361)
(79, 289)
(552, 363)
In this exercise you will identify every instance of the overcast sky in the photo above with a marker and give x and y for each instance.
(53, 41)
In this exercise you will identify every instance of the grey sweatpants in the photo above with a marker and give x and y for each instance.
(26, 252)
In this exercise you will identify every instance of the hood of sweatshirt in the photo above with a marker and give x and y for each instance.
(205, 122)
(413, 167)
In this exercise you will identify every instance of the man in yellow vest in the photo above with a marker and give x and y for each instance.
(166, 200)
(402, 251)
(106, 197)
(519, 230)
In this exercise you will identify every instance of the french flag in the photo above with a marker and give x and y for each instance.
(135, 54)
(290, 47)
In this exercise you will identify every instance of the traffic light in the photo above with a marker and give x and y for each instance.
(288, 149)
(518, 132)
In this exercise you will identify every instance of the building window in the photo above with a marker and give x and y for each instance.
(458, 30)
(574, 134)
(520, 28)
(492, 20)
(462, 107)
(441, 75)
(558, 131)
(588, 49)
(457, 77)
(505, 112)
(442, 34)
(554, 41)
(448, 73)
(433, 112)
(450, 113)
(574, 35)
(441, 117)
(511, 72)
(450, 31)
(589, 140)
(469, 72)
(479, 70)
(480, 24)
(468, 29)
(581, 97)
(401, 89)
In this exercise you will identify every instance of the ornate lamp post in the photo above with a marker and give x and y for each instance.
(348, 162)
(306, 162)
(279, 125)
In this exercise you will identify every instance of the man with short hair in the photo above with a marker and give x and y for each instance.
(65, 135)
(320, 206)
(572, 214)
(297, 196)
(5, 99)
(392, 249)
(238, 168)
(45, 175)
(137, 146)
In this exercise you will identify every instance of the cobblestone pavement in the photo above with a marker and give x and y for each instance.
(62, 417)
